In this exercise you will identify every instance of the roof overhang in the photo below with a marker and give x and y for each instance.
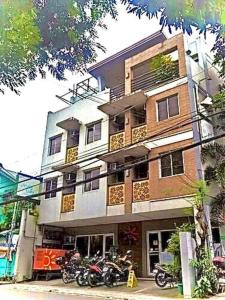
(137, 150)
(115, 107)
(67, 168)
(67, 124)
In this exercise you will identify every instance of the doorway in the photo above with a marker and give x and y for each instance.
(157, 242)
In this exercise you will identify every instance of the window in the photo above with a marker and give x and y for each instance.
(168, 108)
(172, 164)
(55, 144)
(93, 132)
(50, 184)
(94, 184)
(141, 171)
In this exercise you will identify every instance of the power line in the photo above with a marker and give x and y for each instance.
(127, 167)
(178, 125)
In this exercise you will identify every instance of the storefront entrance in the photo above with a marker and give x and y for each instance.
(88, 245)
(156, 243)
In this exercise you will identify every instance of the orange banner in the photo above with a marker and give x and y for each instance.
(44, 258)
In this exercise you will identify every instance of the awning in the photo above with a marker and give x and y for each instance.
(67, 124)
(137, 150)
(115, 107)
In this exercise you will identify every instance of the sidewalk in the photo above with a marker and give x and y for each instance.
(146, 290)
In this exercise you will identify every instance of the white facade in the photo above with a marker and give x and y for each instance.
(89, 204)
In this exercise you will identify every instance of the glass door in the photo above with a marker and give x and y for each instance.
(153, 244)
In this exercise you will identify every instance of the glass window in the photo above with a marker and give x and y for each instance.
(96, 244)
(94, 184)
(55, 145)
(108, 243)
(50, 184)
(172, 164)
(82, 245)
(165, 236)
(168, 108)
(93, 132)
(141, 171)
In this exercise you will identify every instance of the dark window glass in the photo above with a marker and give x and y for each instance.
(108, 242)
(82, 245)
(141, 171)
(177, 161)
(94, 184)
(172, 164)
(93, 132)
(162, 110)
(96, 244)
(50, 184)
(166, 166)
(165, 236)
(173, 106)
(55, 145)
(168, 108)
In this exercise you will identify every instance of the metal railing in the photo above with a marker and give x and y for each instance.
(154, 78)
(117, 91)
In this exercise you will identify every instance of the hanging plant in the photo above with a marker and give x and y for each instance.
(130, 235)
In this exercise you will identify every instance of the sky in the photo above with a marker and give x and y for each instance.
(23, 118)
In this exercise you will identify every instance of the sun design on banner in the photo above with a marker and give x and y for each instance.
(49, 259)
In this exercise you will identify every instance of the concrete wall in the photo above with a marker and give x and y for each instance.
(87, 204)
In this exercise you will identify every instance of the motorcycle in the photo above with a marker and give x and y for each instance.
(69, 265)
(163, 277)
(95, 272)
(219, 263)
(118, 269)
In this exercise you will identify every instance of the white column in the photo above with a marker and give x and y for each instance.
(188, 272)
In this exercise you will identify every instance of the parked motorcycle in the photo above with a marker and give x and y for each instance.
(118, 269)
(163, 277)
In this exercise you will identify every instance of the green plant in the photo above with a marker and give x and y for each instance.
(164, 67)
(206, 276)
(174, 248)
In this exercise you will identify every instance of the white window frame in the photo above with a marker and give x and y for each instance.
(167, 107)
(104, 240)
(50, 143)
(88, 171)
(90, 125)
(173, 175)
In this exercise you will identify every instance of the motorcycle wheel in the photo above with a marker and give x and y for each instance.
(160, 279)
(109, 280)
(92, 280)
(80, 280)
(65, 278)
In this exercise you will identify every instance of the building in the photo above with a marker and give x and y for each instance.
(16, 234)
(148, 98)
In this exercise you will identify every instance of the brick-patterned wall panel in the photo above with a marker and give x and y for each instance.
(139, 133)
(68, 203)
(117, 141)
(71, 154)
(116, 194)
(141, 190)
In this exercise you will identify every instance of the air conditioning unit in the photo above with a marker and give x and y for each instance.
(70, 177)
(113, 166)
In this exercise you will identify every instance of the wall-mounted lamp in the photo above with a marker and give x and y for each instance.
(127, 75)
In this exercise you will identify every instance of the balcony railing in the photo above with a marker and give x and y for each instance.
(68, 203)
(154, 78)
(71, 154)
(116, 194)
(117, 91)
(141, 190)
(117, 141)
(139, 133)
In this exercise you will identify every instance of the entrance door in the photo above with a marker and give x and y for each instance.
(153, 240)
(157, 242)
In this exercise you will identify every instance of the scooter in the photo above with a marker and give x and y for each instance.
(163, 277)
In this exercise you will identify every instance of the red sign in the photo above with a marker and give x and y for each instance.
(44, 258)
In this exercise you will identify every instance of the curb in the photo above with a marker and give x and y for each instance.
(87, 292)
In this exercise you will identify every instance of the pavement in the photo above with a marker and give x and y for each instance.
(56, 289)
(146, 290)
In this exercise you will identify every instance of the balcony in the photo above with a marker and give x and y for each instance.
(139, 133)
(141, 191)
(155, 78)
(71, 154)
(68, 203)
(117, 141)
(117, 92)
(116, 194)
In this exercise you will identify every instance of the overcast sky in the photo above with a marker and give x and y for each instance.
(23, 118)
